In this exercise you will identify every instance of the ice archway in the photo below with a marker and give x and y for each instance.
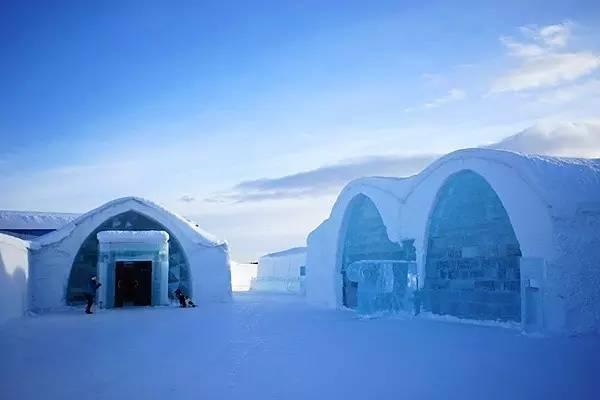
(84, 263)
(472, 267)
(364, 238)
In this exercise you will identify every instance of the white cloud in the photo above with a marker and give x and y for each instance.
(551, 35)
(187, 198)
(323, 180)
(543, 60)
(547, 70)
(589, 89)
(452, 96)
(524, 50)
(580, 139)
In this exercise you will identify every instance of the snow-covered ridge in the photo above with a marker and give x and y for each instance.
(562, 184)
(34, 219)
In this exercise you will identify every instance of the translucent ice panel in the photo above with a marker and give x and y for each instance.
(381, 285)
(365, 238)
(84, 265)
(473, 256)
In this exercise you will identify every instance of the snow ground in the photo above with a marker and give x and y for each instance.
(276, 347)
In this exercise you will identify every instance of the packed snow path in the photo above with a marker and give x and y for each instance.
(276, 347)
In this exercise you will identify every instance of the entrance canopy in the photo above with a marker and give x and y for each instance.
(133, 265)
(150, 237)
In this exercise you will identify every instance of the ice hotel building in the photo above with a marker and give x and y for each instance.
(479, 234)
(140, 251)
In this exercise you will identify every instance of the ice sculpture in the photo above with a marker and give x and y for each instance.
(473, 256)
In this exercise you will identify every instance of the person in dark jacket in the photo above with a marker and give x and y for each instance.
(93, 285)
(184, 301)
(181, 297)
(417, 297)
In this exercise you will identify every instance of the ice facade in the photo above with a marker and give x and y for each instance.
(375, 270)
(472, 266)
(529, 249)
(85, 263)
(122, 246)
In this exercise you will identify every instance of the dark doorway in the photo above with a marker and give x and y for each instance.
(133, 283)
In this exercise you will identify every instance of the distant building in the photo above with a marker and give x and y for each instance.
(140, 252)
(283, 272)
(31, 224)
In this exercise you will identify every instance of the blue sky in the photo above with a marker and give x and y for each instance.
(193, 103)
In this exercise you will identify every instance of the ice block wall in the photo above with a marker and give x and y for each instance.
(473, 256)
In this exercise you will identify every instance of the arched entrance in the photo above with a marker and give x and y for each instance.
(367, 250)
(472, 267)
(86, 260)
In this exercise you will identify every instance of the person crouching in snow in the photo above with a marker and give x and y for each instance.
(184, 301)
(91, 293)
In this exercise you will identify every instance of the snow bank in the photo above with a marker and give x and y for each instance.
(14, 272)
(553, 205)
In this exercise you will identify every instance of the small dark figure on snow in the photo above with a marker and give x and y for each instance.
(91, 293)
(184, 301)
(417, 301)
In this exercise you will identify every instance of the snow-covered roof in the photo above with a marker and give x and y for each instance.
(24, 220)
(293, 250)
(184, 226)
(132, 236)
(563, 184)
